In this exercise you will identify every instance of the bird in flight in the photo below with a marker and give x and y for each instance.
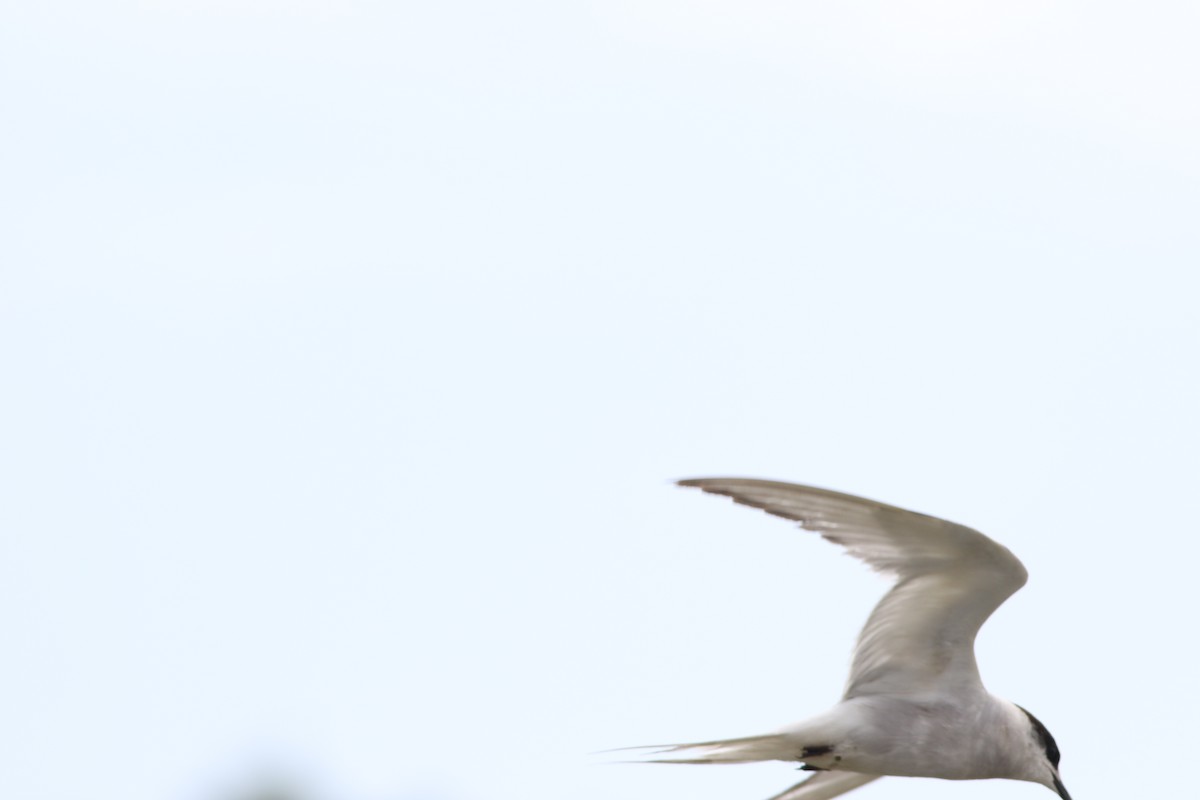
(914, 704)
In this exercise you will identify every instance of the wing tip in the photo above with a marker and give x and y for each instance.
(709, 484)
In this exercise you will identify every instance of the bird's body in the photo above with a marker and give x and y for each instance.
(914, 704)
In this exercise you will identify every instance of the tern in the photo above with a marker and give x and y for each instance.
(914, 704)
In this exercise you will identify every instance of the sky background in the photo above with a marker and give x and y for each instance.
(350, 348)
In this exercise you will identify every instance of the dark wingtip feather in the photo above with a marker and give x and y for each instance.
(707, 484)
(722, 488)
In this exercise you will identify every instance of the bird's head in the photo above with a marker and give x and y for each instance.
(1046, 752)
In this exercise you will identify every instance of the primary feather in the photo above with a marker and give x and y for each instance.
(950, 579)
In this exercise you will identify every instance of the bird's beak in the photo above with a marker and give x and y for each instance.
(1062, 790)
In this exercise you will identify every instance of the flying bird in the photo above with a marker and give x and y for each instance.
(914, 704)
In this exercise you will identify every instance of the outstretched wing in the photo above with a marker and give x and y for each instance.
(825, 785)
(949, 580)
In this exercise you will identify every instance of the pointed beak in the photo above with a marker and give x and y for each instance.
(1062, 790)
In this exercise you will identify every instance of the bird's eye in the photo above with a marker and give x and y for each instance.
(1044, 737)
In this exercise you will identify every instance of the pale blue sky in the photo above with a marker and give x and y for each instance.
(350, 349)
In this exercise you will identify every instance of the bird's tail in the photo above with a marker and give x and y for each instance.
(770, 747)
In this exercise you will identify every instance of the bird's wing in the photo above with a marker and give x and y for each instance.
(825, 785)
(949, 580)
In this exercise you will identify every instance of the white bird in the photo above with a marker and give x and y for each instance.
(914, 704)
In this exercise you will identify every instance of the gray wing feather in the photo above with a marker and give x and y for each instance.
(825, 785)
(950, 579)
